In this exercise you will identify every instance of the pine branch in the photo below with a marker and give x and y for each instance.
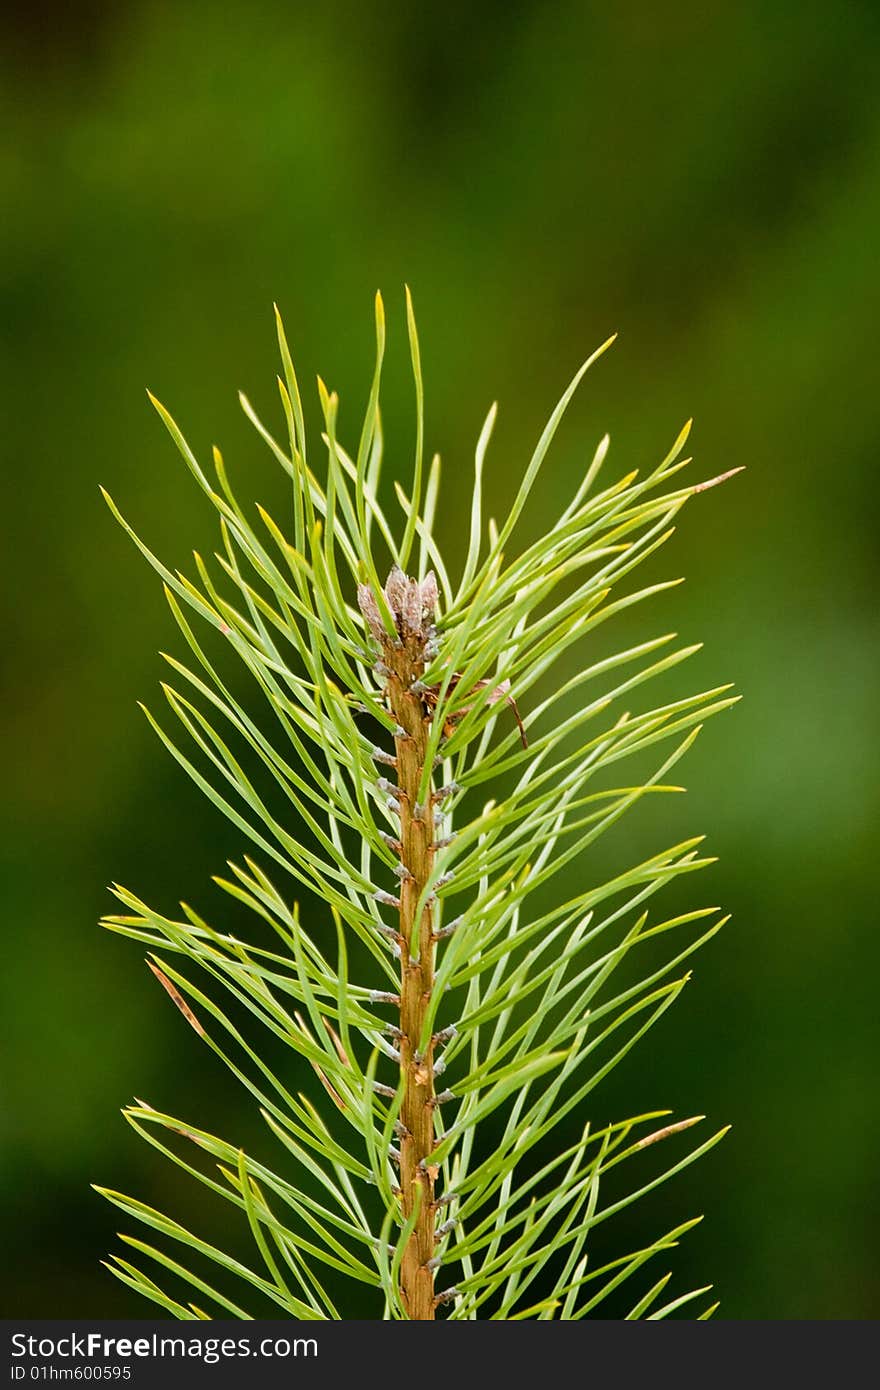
(391, 851)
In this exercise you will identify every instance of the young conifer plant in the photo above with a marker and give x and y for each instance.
(412, 773)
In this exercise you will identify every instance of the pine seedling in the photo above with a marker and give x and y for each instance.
(412, 770)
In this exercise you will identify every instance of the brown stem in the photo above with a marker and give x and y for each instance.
(417, 1174)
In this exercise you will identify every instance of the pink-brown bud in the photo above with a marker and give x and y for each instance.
(411, 604)
(370, 609)
(395, 590)
(429, 594)
(411, 612)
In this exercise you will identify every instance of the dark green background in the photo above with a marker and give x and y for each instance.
(704, 178)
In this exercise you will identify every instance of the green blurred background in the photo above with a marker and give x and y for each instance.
(704, 178)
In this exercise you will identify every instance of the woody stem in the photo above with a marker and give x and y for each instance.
(417, 1176)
